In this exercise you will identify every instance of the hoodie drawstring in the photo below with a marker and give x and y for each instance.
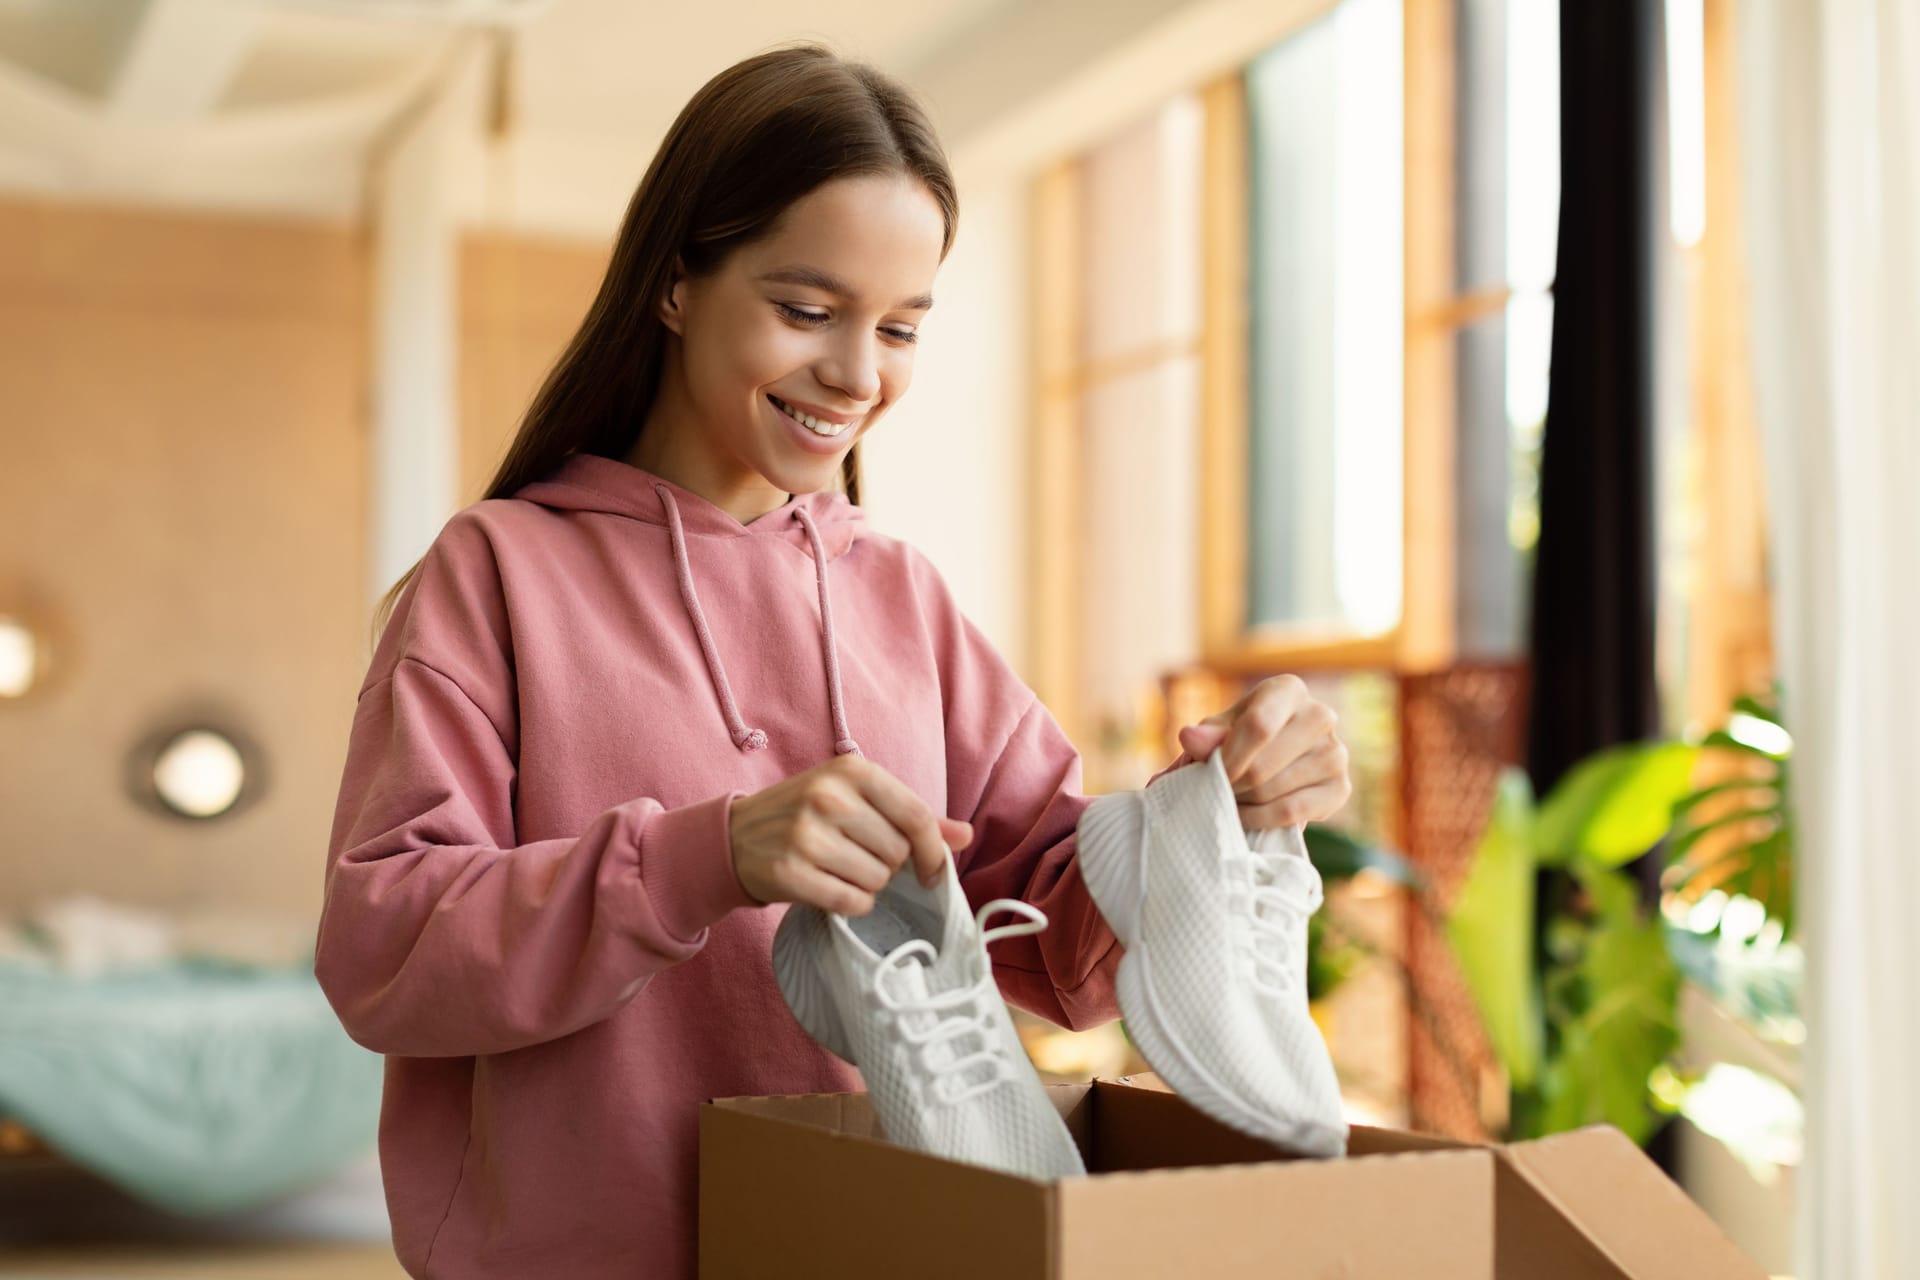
(745, 738)
(843, 742)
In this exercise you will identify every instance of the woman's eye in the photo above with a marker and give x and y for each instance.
(811, 318)
(804, 317)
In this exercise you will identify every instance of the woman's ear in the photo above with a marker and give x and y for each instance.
(673, 303)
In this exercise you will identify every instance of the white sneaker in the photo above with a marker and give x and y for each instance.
(906, 994)
(1213, 986)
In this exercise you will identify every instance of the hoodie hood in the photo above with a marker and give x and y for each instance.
(825, 524)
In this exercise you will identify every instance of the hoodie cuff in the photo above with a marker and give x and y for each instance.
(686, 866)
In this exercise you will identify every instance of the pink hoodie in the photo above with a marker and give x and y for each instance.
(531, 906)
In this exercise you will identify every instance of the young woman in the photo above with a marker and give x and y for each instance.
(664, 677)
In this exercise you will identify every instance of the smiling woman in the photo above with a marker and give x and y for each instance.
(794, 347)
(664, 679)
(553, 792)
(812, 263)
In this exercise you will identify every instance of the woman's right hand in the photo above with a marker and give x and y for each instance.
(833, 836)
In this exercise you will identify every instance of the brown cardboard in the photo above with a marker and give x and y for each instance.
(807, 1186)
(1597, 1179)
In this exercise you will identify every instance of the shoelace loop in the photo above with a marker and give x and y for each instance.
(919, 1012)
(1277, 905)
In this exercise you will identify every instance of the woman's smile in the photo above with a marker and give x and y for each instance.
(810, 439)
(819, 423)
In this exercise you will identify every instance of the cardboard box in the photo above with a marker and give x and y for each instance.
(805, 1186)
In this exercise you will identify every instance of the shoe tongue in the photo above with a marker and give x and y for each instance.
(947, 925)
(920, 975)
(906, 980)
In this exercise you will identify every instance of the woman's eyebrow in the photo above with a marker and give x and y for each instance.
(814, 278)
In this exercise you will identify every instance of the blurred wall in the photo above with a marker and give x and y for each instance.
(520, 301)
(182, 476)
(948, 470)
(182, 409)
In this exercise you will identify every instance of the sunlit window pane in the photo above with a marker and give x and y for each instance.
(1325, 130)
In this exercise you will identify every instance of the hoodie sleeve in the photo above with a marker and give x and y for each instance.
(439, 935)
(1014, 775)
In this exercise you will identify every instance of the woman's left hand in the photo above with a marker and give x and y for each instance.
(1282, 756)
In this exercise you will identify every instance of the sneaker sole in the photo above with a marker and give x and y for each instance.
(1192, 1081)
(798, 942)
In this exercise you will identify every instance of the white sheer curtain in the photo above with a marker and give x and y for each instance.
(1830, 103)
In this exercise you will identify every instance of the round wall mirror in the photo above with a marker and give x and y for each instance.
(26, 651)
(196, 770)
(22, 657)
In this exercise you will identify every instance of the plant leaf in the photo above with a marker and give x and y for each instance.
(1330, 960)
(1761, 870)
(1338, 856)
(1725, 741)
(1491, 930)
(1628, 1023)
(1693, 799)
(1694, 834)
(1613, 806)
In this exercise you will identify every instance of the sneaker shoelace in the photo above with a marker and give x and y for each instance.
(920, 1011)
(1275, 908)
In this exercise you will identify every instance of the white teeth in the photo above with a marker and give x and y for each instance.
(808, 421)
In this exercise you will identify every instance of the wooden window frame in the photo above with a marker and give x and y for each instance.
(1436, 310)
(1729, 605)
(1424, 637)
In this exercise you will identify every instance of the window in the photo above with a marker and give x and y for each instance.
(1315, 299)
(1386, 183)
(1325, 225)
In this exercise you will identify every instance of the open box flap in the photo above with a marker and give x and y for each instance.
(849, 1113)
(1621, 1201)
(1223, 1144)
(853, 1114)
(1167, 1169)
(1427, 1214)
(804, 1198)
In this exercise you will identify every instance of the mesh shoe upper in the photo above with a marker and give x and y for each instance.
(906, 994)
(1213, 985)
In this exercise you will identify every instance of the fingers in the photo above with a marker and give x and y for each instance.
(1275, 707)
(828, 892)
(908, 816)
(840, 806)
(958, 834)
(1283, 757)
(1324, 760)
(1314, 804)
(838, 854)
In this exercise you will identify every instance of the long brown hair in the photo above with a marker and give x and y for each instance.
(754, 139)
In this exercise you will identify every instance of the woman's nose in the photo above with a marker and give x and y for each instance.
(853, 369)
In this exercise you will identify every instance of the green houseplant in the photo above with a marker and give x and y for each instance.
(1582, 1027)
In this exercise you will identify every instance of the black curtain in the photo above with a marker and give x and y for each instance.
(1592, 630)
(1593, 594)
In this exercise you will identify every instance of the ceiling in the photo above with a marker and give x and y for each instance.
(302, 107)
(277, 105)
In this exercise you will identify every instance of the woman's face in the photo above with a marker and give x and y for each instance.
(819, 319)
